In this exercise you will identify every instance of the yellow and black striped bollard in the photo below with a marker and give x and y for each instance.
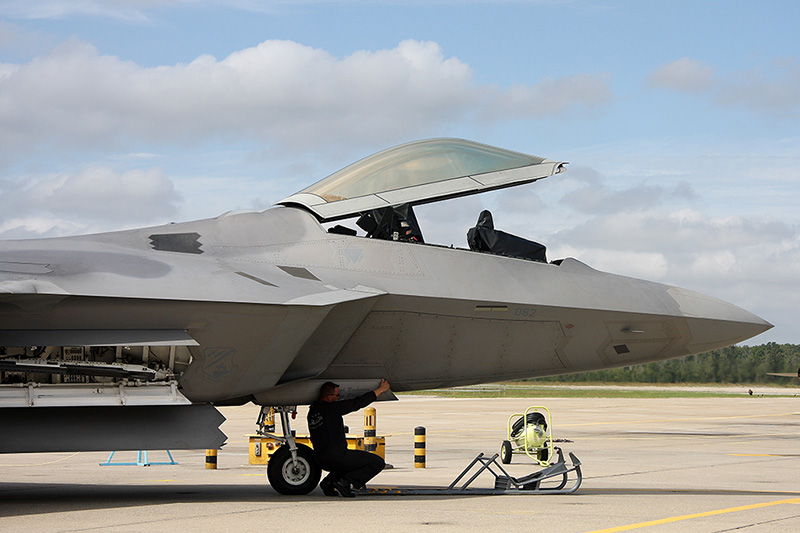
(269, 421)
(211, 459)
(370, 423)
(419, 447)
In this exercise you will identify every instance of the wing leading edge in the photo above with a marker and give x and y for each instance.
(96, 337)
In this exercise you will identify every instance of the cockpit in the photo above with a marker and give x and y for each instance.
(381, 190)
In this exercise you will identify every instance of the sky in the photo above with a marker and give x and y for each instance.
(680, 121)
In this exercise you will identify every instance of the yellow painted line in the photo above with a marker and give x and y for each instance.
(696, 515)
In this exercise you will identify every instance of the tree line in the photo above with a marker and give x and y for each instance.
(734, 364)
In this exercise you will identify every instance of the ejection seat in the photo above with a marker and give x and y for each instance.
(484, 238)
(396, 223)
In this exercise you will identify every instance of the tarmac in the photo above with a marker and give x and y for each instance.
(656, 465)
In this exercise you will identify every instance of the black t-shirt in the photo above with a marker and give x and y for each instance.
(326, 426)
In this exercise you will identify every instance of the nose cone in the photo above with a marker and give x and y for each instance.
(715, 323)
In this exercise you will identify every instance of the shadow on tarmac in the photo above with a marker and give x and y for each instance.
(21, 499)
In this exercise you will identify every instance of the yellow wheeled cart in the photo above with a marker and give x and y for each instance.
(529, 433)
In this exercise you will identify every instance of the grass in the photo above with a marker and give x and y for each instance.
(598, 390)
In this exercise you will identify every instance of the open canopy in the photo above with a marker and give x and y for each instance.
(420, 172)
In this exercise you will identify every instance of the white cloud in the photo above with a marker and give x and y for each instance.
(594, 196)
(683, 234)
(278, 92)
(74, 103)
(555, 96)
(684, 74)
(773, 89)
(95, 198)
(24, 227)
(643, 265)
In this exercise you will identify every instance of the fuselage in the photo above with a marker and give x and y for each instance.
(275, 302)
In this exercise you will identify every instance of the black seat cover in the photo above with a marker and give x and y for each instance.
(484, 238)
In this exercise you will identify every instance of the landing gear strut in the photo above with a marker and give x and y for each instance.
(292, 468)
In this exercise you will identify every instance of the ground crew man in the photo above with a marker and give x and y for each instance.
(349, 469)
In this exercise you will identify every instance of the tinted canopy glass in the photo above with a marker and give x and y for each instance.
(420, 172)
(417, 163)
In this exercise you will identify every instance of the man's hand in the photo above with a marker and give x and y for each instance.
(383, 387)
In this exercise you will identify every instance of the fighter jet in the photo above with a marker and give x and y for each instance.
(785, 374)
(128, 340)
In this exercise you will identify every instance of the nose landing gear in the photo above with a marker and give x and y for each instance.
(292, 469)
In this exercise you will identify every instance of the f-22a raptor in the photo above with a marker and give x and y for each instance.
(128, 340)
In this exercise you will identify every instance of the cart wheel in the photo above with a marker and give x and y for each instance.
(542, 454)
(286, 477)
(505, 452)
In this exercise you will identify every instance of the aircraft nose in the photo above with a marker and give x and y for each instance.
(715, 323)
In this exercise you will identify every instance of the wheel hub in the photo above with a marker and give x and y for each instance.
(295, 473)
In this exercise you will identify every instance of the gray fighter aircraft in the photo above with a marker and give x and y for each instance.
(127, 340)
(785, 374)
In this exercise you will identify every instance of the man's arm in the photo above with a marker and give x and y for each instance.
(344, 407)
(383, 387)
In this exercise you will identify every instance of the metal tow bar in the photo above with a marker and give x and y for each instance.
(552, 479)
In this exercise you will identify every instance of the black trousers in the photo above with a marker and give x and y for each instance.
(354, 466)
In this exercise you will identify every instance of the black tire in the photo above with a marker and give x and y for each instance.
(505, 453)
(288, 478)
(543, 454)
(533, 418)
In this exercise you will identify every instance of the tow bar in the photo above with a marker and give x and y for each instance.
(552, 479)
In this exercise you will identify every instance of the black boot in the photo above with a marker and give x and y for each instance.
(328, 486)
(343, 486)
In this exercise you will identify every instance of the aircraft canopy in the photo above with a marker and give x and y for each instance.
(420, 172)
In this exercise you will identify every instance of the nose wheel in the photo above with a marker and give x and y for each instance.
(292, 469)
(293, 476)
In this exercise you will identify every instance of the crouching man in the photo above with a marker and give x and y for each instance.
(349, 469)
